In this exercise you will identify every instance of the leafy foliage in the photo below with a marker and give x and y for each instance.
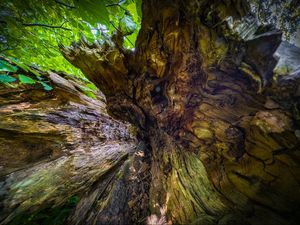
(46, 86)
(6, 78)
(26, 80)
(9, 74)
(31, 31)
(6, 67)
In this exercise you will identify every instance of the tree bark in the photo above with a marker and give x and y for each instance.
(219, 133)
(57, 145)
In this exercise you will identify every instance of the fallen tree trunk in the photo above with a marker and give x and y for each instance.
(57, 145)
(218, 130)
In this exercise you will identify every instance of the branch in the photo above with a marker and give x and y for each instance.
(114, 4)
(121, 33)
(65, 4)
(5, 49)
(46, 25)
(117, 4)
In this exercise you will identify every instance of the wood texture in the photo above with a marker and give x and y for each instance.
(55, 145)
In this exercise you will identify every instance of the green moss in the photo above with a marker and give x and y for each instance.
(47, 216)
(190, 188)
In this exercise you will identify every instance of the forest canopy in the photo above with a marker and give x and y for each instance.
(32, 31)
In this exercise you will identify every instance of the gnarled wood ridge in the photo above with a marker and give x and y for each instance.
(211, 134)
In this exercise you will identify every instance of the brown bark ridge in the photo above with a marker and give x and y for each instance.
(223, 130)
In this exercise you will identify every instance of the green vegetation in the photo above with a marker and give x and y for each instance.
(30, 31)
(48, 216)
(12, 76)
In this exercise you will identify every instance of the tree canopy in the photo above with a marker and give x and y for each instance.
(31, 31)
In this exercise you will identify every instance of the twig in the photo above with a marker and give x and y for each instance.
(114, 4)
(45, 25)
(41, 25)
(121, 32)
(65, 4)
(117, 4)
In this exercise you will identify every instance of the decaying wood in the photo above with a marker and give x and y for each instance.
(55, 145)
(223, 133)
(220, 132)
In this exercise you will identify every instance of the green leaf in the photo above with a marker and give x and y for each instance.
(34, 72)
(6, 78)
(127, 25)
(25, 79)
(46, 86)
(139, 7)
(129, 41)
(92, 11)
(19, 64)
(5, 66)
(91, 86)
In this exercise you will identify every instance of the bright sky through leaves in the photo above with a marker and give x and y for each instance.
(31, 32)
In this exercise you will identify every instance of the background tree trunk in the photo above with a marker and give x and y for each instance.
(220, 134)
